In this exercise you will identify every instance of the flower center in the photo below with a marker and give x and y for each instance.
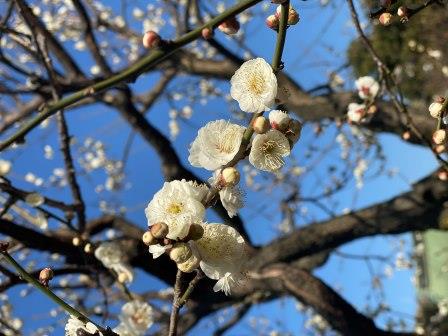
(226, 141)
(175, 208)
(269, 147)
(256, 83)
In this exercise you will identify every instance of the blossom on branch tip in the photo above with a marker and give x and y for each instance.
(268, 150)
(222, 252)
(178, 204)
(367, 87)
(216, 144)
(254, 86)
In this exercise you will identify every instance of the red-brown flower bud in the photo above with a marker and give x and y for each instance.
(230, 26)
(151, 40)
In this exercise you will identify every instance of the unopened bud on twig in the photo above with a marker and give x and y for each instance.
(229, 176)
(159, 230)
(180, 253)
(435, 109)
(406, 135)
(148, 239)
(272, 22)
(88, 248)
(189, 265)
(230, 26)
(385, 19)
(442, 175)
(207, 33)
(439, 136)
(45, 276)
(196, 232)
(76, 241)
(260, 125)
(402, 12)
(151, 40)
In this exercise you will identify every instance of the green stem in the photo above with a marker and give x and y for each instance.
(128, 74)
(46, 291)
(281, 37)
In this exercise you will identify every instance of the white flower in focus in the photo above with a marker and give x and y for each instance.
(216, 144)
(73, 325)
(268, 151)
(5, 167)
(367, 87)
(356, 112)
(222, 253)
(254, 86)
(178, 204)
(279, 120)
(135, 318)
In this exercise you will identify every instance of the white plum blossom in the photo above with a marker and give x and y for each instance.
(367, 87)
(135, 318)
(268, 151)
(222, 251)
(73, 325)
(254, 86)
(216, 144)
(5, 167)
(356, 112)
(112, 256)
(279, 120)
(178, 204)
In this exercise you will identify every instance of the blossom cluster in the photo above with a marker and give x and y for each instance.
(368, 89)
(176, 213)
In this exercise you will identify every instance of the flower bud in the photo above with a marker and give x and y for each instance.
(196, 232)
(76, 241)
(180, 253)
(406, 135)
(435, 110)
(294, 130)
(230, 26)
(439, 99)
(159, 230)
(45, 276)
(372, 109)
(272, 22)
(34, 199)
(402, 11)
(189, 265)
(230, 176)
(88, 248)
(260, 125)
(442, 175)
(293, 17)
(123, 277)
(151, 39)
(148, 238)
(439, 136)
(207, 33)
(385, 19)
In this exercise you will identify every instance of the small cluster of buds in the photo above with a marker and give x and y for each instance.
(83, 242)
(273, 21)
(179, 251)
(279, 121)
(439, 137)
(45, 276)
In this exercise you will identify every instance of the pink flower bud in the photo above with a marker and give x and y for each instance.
(406, 135)
(385, 19)
(272, 22)
(207, 33)
(151, 40)
(442, 175)
(230, 26)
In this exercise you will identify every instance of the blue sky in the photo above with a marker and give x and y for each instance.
(314, 47)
